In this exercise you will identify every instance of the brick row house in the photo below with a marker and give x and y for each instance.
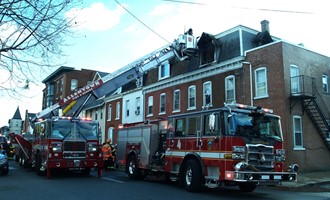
(239, 65)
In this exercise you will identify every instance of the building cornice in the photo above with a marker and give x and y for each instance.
(216, 68)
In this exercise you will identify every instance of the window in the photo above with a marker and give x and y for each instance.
(325, 82)
(61, 84)
(138, 105)
(109, 112)
(164, 70)
(96, 112)
(192, 97)
(176, 101)
(180, 127)
(207, 94)
(150, 105)
(230, 89)
(110, 133)
(74, 84)
(127, 108)
(117, 110)
(261, 82)
(193, 125)
(162, 103)
(294, 75)
(297, 132)
(212, 124)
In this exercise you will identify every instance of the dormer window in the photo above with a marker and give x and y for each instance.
(164, 70)
(74, 84)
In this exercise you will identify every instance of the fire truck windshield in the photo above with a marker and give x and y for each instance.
(249, 125)
(68, 129)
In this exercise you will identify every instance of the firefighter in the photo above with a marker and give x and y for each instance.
(107, 153)
(112, 162)
(11, 151)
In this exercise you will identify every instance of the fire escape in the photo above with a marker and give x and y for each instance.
(303, 89)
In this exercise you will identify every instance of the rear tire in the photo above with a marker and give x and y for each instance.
(132, 168)
(38, 166)
(5, 171)
(86, 172)
(192, 176)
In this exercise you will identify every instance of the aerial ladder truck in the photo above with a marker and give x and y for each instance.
(62, 140)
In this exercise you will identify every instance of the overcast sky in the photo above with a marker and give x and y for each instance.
(109, 36)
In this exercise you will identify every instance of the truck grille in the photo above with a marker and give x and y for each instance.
(261, 156)
(74, 149)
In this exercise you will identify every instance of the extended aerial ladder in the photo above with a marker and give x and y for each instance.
(74, 103)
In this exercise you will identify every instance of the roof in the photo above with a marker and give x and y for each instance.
(58, 72)
(17, 114)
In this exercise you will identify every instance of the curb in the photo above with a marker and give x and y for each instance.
(323, 186)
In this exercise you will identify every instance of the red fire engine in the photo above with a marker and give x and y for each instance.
(236, 145)
(61, 143)
(73, 143)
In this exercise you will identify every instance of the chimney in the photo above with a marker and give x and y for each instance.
(264, 25)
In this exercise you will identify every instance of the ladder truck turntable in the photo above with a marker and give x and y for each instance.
(62, 140)
(236, 145)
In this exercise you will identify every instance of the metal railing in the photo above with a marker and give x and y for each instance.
(302, 85)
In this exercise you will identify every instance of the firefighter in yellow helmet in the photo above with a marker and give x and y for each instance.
(106, 153)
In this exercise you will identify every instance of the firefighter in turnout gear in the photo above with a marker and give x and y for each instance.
(107, 153)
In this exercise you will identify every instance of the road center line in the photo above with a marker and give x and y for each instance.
(114, 180)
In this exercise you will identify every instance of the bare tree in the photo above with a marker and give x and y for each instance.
(32, 33)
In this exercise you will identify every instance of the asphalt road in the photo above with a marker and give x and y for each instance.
(25, 184)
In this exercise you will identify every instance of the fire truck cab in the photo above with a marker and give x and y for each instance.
(62, 143)
(236, 145)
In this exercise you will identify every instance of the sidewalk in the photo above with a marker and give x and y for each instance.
(309, 182)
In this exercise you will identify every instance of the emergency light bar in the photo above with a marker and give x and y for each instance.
(247, 107)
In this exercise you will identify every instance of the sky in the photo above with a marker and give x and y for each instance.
(111, 34)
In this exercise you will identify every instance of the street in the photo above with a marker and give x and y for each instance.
(24, 184)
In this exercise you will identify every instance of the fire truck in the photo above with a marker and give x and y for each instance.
(61, 143)
(71, 142)
(236, 145)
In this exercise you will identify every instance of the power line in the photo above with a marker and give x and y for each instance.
(238, 7)
(141, 22)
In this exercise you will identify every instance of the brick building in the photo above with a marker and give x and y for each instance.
(245, 66)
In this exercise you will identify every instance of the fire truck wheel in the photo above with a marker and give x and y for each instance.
(38, 166)
(247, 187)
(20, 158)
(192, 177)
(5, 171)
(132, 168)
(86, 172)
(16, 158)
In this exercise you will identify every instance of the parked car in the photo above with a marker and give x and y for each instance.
(4, 166)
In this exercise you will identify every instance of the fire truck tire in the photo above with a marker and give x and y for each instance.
(86, 172)
(132, 168)
(247, 187)
(20, 158)
(5, 171)
(38, 166)
(192, 176)
(16, 158)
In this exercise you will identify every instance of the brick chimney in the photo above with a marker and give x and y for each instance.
(264, 26)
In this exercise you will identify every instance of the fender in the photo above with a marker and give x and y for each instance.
(192, 155)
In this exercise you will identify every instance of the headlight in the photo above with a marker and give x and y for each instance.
(280, 155)
(238, 153)
(238, 149)
(92, 147)
(56, 147)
